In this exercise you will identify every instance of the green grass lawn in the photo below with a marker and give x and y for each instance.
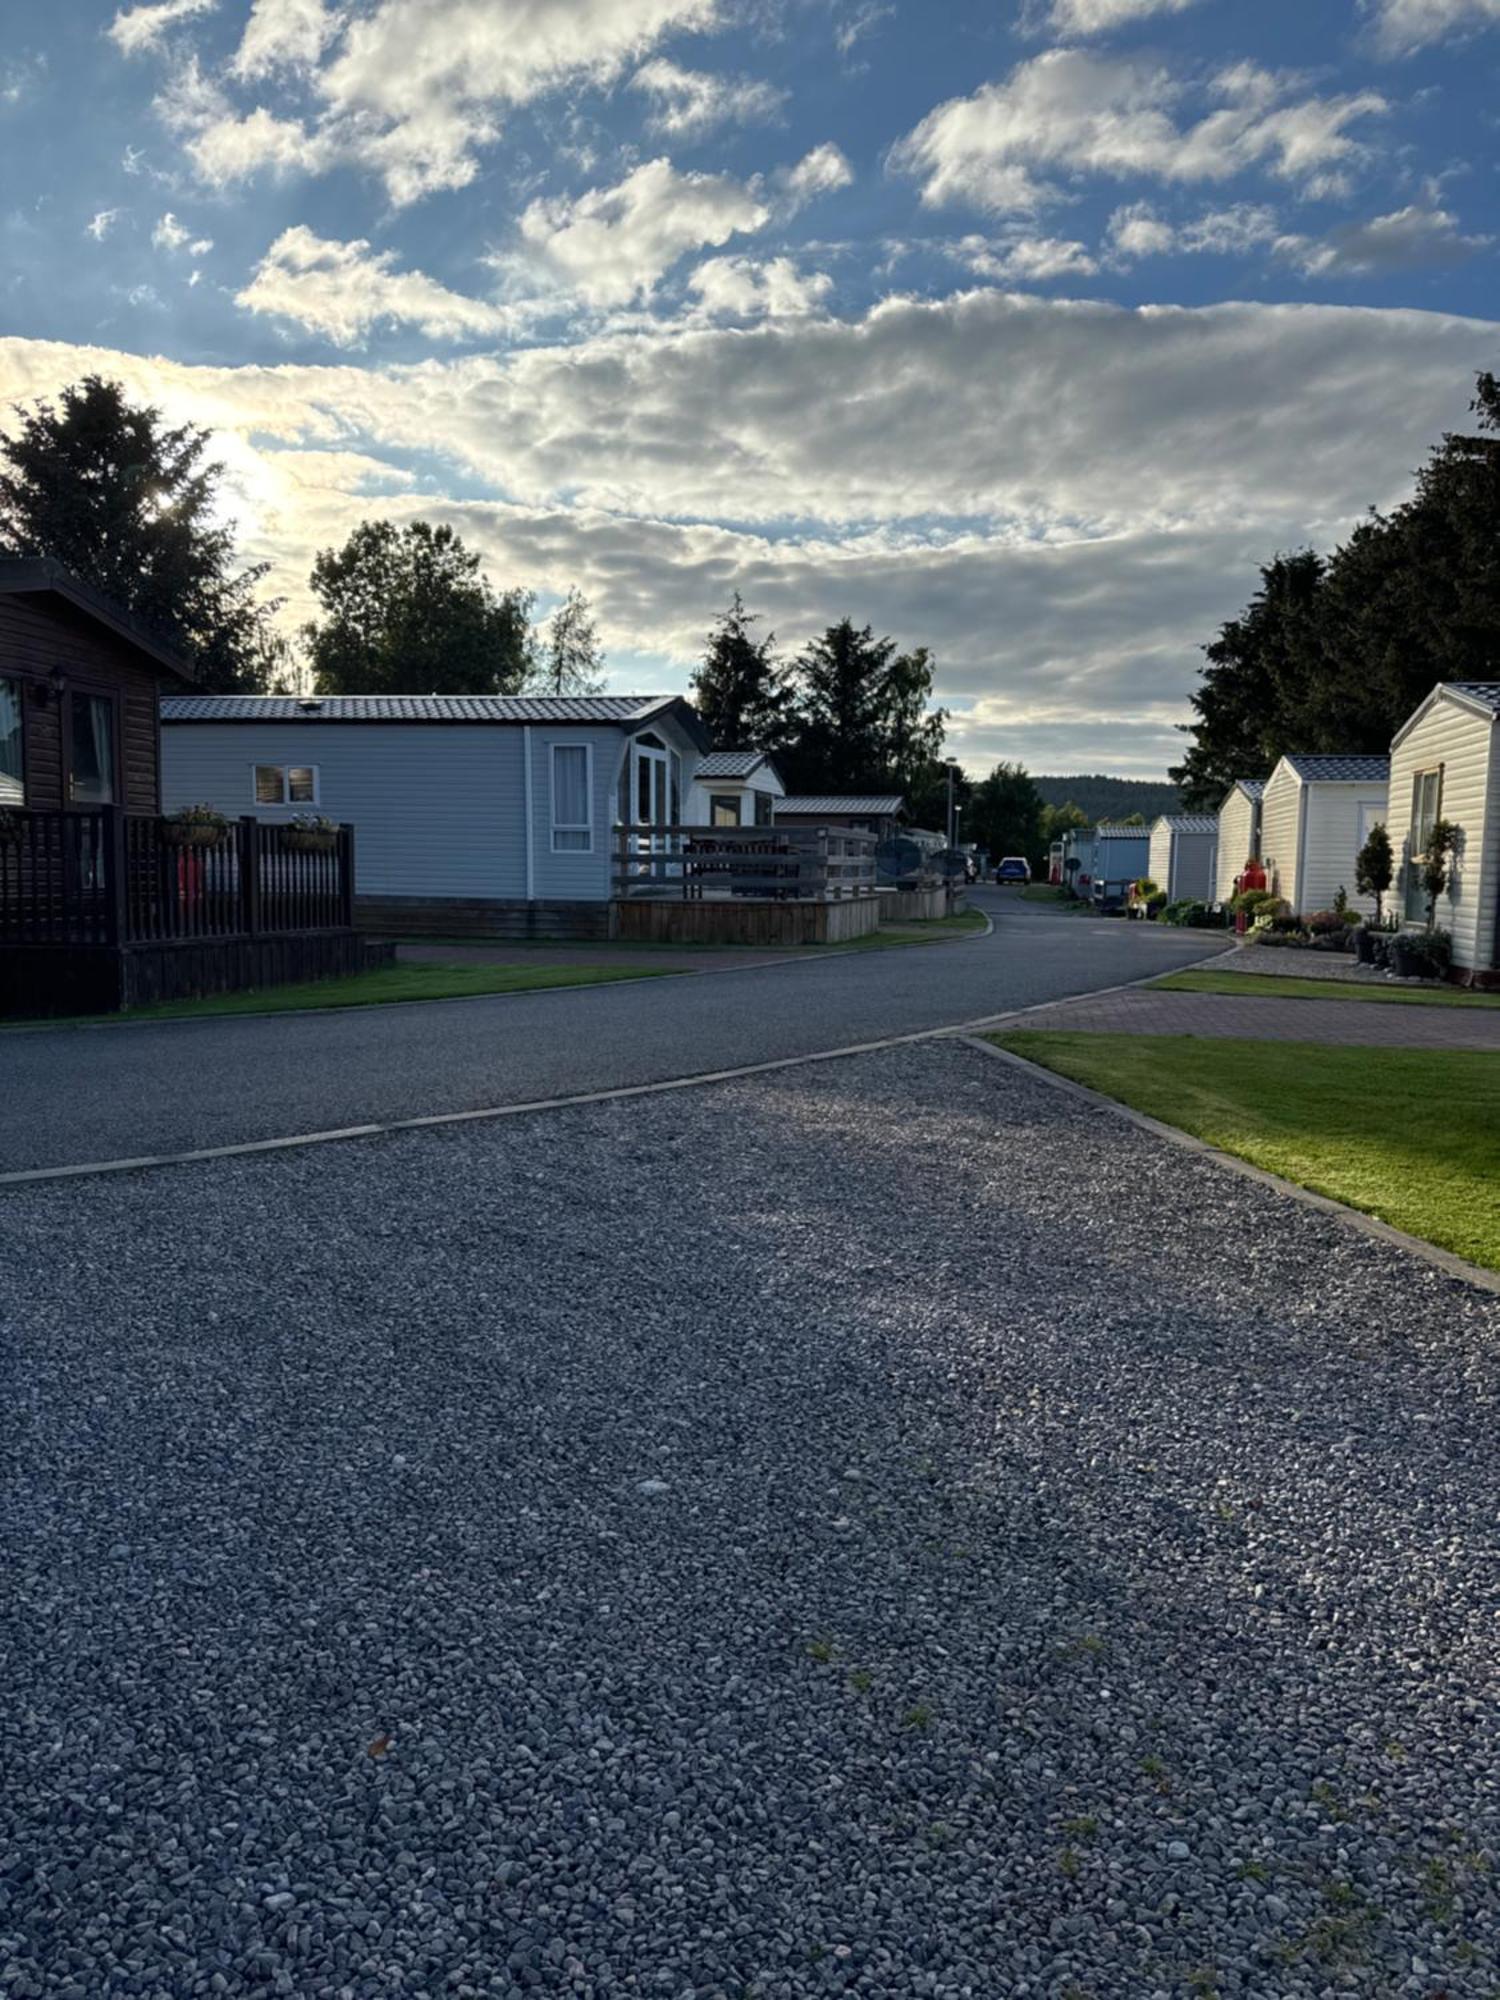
(381, 988)
(1273, 986)
(1409, 1135)
(1046, 892)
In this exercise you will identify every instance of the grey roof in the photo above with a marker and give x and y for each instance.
(509, 708)
(1341, 770)
(732, 763)
(40, 576)
(1112, 830)
(1189, 822)
(876, 805)
(1253, 788)
(1486, 693)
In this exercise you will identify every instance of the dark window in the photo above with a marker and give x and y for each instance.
(12, 770)
(286, 785)
(723, 809)
(765, 809)
(92, 770)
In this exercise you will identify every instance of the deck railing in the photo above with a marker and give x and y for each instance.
(773, 864)
(107, 877)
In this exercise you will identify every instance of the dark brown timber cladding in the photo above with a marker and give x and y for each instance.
(39, 637)
(454, 917)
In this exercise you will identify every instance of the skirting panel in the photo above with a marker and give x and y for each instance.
(457, 917)
(737, 920)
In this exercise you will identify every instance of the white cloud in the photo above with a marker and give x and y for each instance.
(689, 102)
(418, 85)
(611, 245)
(1119, 475)
(1402, 26)
(341, 290)
(412, 90)
(1025, 259)
(1073, 112)
(739, 288)
(136, 29)
(284, 34)
(101, 223)
(1096, 17)
(822, 171)
(1137, 231)
(863, 19)
(169, 233)
(1409, 239)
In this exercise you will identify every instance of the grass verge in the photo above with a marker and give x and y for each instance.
(1047, 892)
(381, 988)
(1273, 986)
(1412, 1136)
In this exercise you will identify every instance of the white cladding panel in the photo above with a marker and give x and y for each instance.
(1465, 746)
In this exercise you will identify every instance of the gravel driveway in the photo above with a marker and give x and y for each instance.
(882, 1529)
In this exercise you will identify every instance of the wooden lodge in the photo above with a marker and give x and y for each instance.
(102, 905)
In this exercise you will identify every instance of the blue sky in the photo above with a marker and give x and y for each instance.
(1025, 337)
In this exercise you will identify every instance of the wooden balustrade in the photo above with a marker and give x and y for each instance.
(770, 863)
(107, 877)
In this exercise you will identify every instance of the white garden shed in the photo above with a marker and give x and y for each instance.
(1183, 848)
(1445, 764)
(489, 814)
(1239, 834)
(1315, 816)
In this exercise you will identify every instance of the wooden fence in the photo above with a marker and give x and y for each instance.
(772, 864)
(108, 877)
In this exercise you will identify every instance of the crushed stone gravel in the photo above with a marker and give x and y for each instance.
(884, 1529)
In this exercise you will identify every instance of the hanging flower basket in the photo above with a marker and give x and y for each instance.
(194, 826)
(310, 833)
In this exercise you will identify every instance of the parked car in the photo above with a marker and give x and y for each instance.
(1013, 868)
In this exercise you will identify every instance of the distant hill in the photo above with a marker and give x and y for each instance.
(1100, 797)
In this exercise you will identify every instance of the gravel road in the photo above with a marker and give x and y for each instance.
(117, 1093)
(883, 1529)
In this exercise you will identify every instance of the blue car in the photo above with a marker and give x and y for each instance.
(1014, 868)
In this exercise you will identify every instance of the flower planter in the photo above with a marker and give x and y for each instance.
(1408, 957)
(1364, 946)
(305, 840)
(191, 833)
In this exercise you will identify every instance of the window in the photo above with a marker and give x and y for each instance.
(572, 785)
(12, 769)
(91, 745)
(765, 809)
(286, 784)
(1426, 805)
(723, 809)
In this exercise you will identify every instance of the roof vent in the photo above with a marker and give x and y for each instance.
(310, 705)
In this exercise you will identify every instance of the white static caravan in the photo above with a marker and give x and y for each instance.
(735, 788)
(473, 814)
(1183, 851)
(1316, 815)
(1445, 764)
(1239, 834)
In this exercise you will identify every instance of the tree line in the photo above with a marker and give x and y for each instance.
(1333, 653)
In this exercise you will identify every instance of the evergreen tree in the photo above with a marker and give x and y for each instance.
(1375, 867)
(739, 688)
(129, 505)
(1005, 816)
(408, 611)
(859, 719)
(570, 660)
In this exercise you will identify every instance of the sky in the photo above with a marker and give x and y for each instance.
(1021, 329)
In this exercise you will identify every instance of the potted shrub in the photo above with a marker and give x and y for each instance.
(1366, 941)
(310, 833)
(1142, 894)
(1374, 867)
(194, 826)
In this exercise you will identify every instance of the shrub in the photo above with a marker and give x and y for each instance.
(1323, 922)
(1197, 915)
(1257, 903)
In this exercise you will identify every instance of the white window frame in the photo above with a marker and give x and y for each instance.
(268, 805)
(584, 826)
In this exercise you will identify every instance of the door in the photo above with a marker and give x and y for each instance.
(1426, 810)
(653, 792)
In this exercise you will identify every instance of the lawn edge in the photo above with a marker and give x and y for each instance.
(1447, 1261)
